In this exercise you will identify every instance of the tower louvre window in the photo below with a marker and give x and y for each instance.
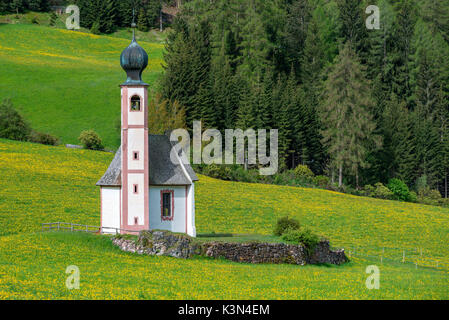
(135, 103)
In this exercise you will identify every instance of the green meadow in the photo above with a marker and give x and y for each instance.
(48, 184)
(65, 81)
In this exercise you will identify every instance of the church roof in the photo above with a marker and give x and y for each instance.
(163, 172)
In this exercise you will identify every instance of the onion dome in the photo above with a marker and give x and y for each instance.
(134, 60)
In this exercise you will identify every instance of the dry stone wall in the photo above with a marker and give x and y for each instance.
(164, 243)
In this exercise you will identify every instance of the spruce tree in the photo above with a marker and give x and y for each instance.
(142, 21)
(352, 26)
(348, 125)
(299, 15)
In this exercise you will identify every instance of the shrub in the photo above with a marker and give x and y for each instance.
(213, 171)
(12, 125)
(426, 192)
(382, 192)
(413, 197)
(91, 140)
(34, 20)
(303, 172)
(368, 190)
(44, 138)
(431, 197)
(284, 224)
(399, 189)
(304, 236)
(421, 184)
(322, 181)
(95, 29)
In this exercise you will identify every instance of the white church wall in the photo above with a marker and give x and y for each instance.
(179, 218)
(136, 201)
(110, 208)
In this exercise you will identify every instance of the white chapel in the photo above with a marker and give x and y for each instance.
(143, 189)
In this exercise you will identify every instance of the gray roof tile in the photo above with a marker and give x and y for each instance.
(162, 170)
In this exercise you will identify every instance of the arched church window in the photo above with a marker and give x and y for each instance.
(135, 103)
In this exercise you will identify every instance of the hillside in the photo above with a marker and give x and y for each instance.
(60, 76)
(47, 184)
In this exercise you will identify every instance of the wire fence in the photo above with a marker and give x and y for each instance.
(417, 257)
(73, 227)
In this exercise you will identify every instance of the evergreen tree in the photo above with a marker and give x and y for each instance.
(403, 29)
(436, 13)
(142, 21)
(395, 156)
(254, 45)
(442, 122)
(17, 6)
(352, 26)
(348, 125)
(299, 15)
(187, 69)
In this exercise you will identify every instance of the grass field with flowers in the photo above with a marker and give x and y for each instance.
(61, 76)
(48, 184)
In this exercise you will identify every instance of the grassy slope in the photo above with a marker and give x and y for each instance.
(33, 266)
(55, 77)
(46, 184)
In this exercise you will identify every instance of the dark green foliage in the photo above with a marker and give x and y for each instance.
(112, 14)
(268, 64)
(44, 138)
(286, 224)
(142, 21)
(303, 236)
(377, 191)
(90, 140)
(399, 189)
(12, 125)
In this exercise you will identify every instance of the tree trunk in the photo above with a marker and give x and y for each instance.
(160, 21)
(357, 179)
(445, 186)
(340, 176)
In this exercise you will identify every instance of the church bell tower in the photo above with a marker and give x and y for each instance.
(134, 138)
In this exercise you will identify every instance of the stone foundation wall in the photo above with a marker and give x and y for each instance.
(164, 243)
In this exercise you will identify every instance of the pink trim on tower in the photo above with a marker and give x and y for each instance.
(126, 105)
(125, 157)
(146, 180)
